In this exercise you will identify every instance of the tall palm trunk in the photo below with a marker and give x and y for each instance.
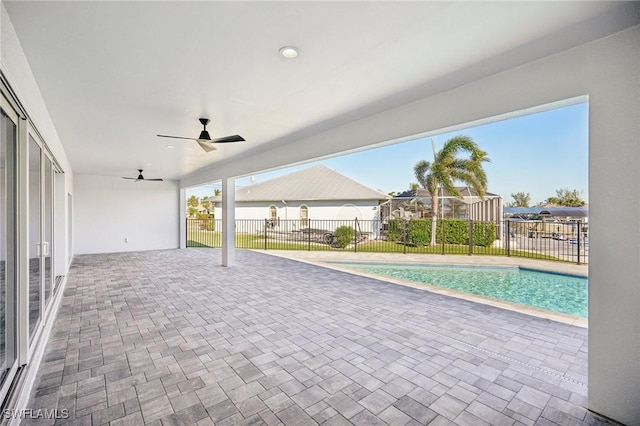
(435, 203)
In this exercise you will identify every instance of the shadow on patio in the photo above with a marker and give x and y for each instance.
(171, 337)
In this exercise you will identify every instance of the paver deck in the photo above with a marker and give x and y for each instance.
(170, 337)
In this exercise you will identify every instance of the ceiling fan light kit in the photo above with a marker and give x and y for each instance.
(204, 140)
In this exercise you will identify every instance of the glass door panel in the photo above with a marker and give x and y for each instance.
(35, 237)
(8, 137)
(47, 243)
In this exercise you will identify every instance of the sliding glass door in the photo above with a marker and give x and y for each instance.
(36, 302)
(47, 228)
(28, 179)
(41, 276)
(8, 281)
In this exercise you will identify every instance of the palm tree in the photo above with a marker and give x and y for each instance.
(446, 169)
(520, 199)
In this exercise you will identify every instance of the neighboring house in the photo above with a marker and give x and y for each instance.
(206, 205)
(201, 208)
(305, 198)
(417, 203)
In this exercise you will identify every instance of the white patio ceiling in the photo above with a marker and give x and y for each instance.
(115, 74)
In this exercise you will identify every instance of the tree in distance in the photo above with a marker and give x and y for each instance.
(520, 199)
(566, 198)
(192, 204)
(193, 201)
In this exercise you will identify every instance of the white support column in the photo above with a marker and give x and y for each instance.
(228, 221)
(182, 214)
(614, 232)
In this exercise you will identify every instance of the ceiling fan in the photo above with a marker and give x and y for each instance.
(140, 177)
(204, 140)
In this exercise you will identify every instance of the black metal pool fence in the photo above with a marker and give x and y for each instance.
(559, 240)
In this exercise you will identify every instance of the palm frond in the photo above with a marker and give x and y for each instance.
(421, 171)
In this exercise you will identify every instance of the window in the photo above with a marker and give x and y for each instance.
(304, 216)
(273, 221)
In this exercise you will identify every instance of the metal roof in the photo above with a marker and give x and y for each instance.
(465, 191)
(549, 211)
(315, 183)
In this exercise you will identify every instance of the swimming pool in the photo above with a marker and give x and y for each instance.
(565, 294)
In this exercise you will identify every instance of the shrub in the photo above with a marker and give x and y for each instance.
(420, 238)
(484, 233)
(455, 231)
(419, 232)
(207, 223)
(344, 236)
(395, 230)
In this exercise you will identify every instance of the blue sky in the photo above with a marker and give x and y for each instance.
(536, 153)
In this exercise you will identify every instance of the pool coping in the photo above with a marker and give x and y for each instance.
(324, 259)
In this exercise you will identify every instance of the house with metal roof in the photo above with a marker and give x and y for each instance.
(317, 193)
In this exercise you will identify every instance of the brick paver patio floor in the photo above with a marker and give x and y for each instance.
(171, 337)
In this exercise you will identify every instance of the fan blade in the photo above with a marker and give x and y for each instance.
(155, 180)
(206, 146)
(177, 137)
(227, 139)
(129, 178)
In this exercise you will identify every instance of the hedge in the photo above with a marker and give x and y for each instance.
(395, 230)
(484, 233)
(456, 231)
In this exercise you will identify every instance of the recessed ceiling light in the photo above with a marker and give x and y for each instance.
(169, 146)
(289, 52)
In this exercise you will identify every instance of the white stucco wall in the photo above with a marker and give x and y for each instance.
(327, 215)
(16, 70)
(318, 210)
(109, 210)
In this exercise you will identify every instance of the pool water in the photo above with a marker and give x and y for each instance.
(565, 294)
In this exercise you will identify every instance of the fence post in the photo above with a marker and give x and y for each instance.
(266, 224)
(442, 233)
(355, 235)
(309, 235)
(508, 238)
(470, 237)
(405, 223)
(578, 239)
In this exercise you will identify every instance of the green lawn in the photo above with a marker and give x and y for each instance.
(201, 238)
